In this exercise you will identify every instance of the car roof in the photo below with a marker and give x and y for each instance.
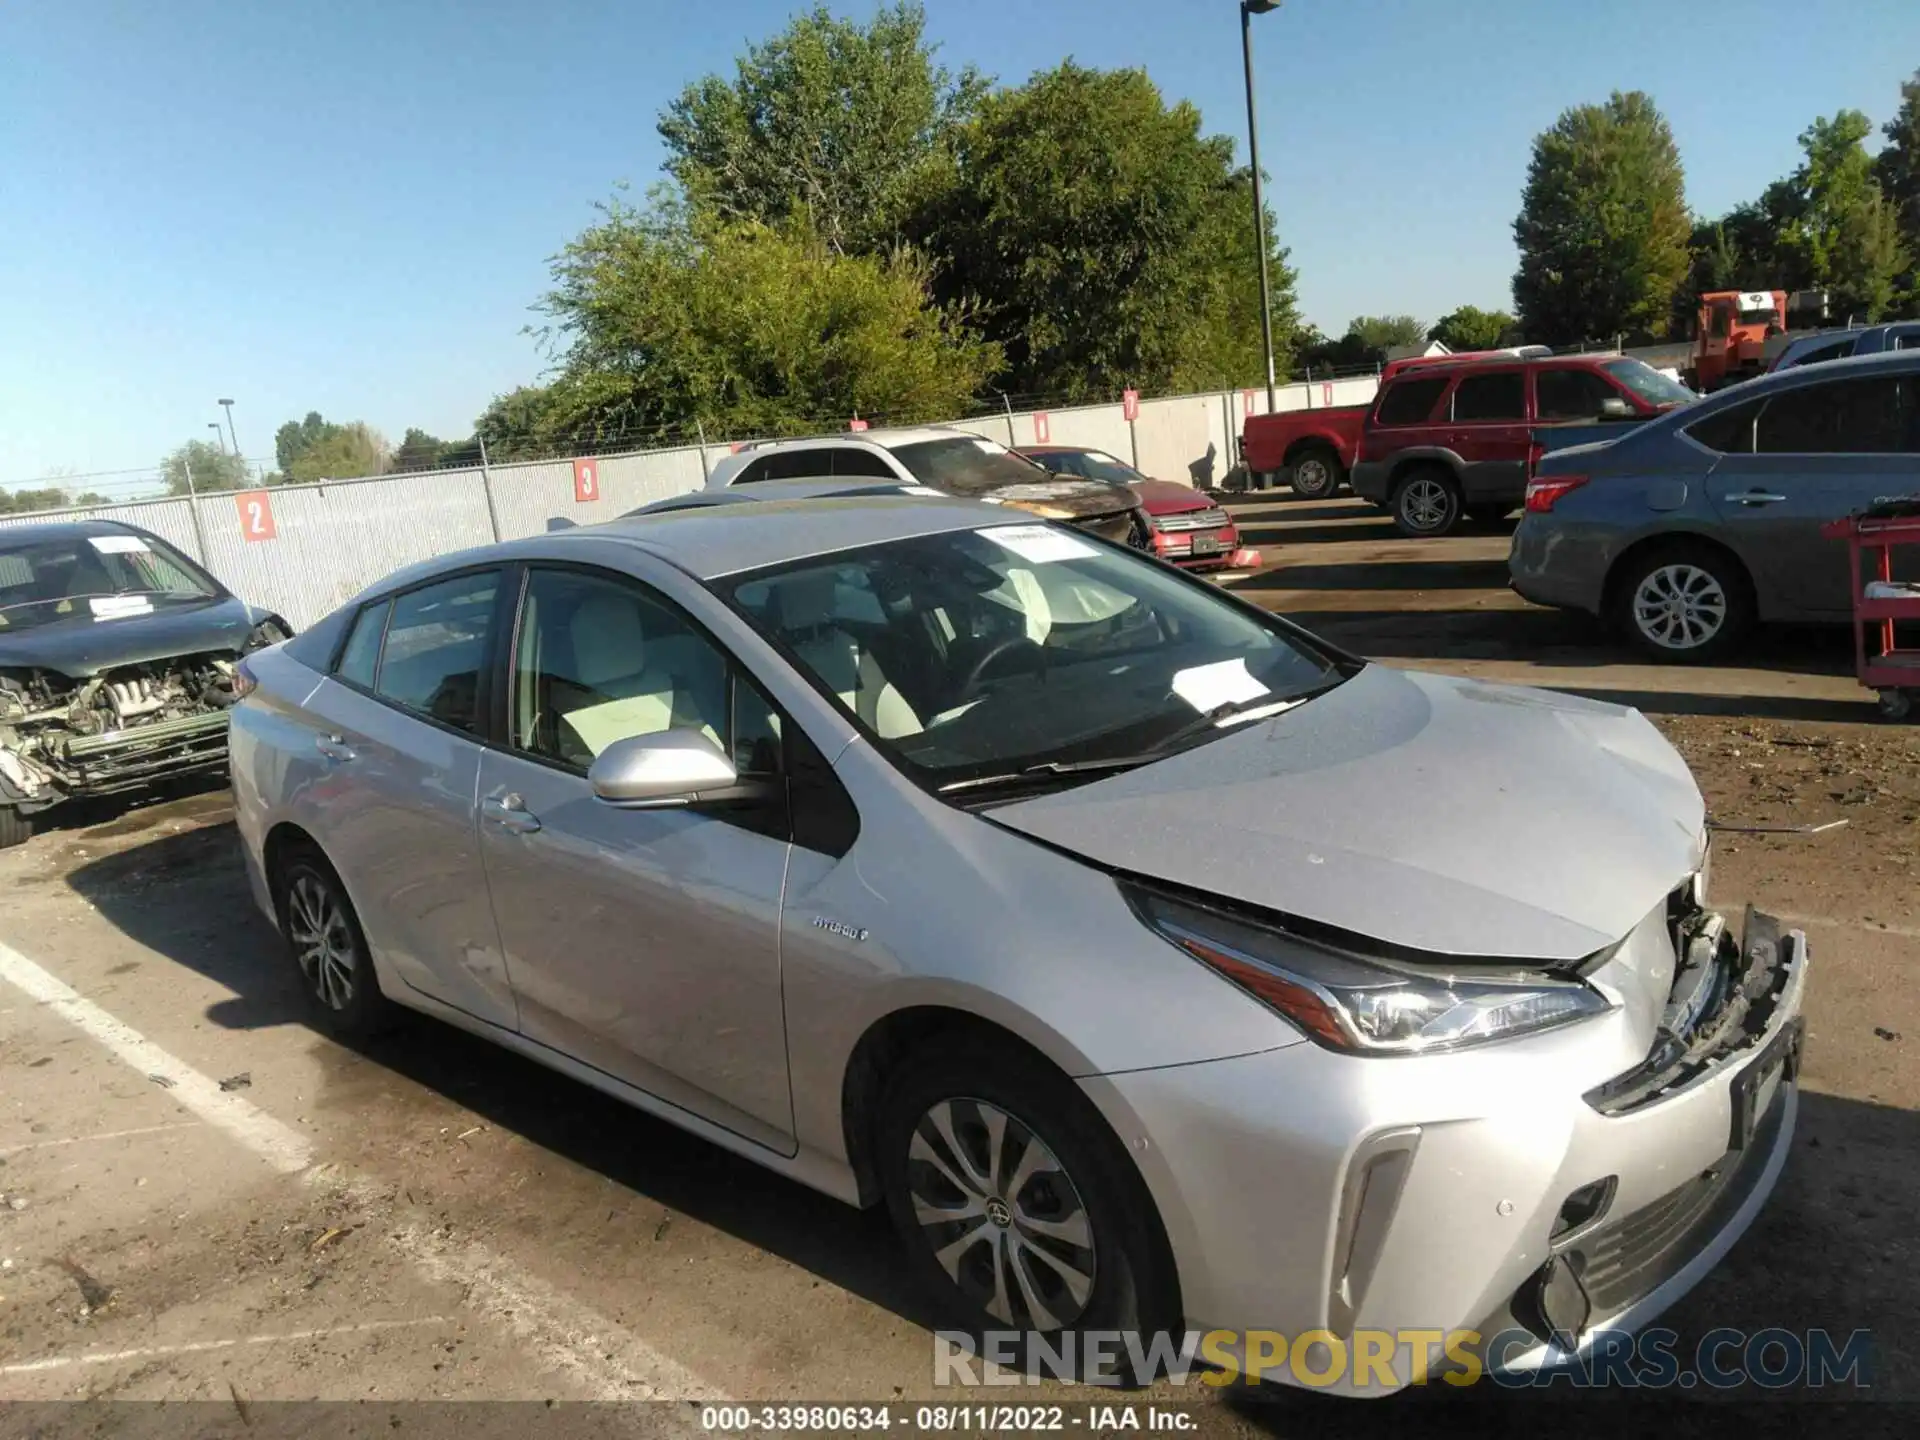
(884, 439)
(41, 530)
(1448, 364)
(711, 541)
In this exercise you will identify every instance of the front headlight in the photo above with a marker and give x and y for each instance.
(1366, 1005)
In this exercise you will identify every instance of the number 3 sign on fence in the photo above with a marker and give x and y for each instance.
(256, 515)
(586, 482)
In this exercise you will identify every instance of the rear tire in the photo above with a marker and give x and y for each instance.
(1426, 502)
(1072, 1246)
(1317, 473)
(15, 829)
(329, 949)
(1682, 603)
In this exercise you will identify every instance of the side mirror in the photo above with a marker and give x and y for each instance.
(671, 768)
(1614, 408)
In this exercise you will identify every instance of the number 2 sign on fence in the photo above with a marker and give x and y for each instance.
(586, 481)
(256, 515)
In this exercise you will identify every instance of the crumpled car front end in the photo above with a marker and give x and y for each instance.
(61, 738)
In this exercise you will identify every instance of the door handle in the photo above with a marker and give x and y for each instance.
(1756, 497)
(509, 812)
(333, 747)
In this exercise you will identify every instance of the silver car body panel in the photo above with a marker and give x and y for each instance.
(1347, 811)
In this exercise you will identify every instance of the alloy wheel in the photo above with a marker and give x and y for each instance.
(1312, 479)
(322, 941)
(1426, 504)
(1679, 607)
(1001, 1214)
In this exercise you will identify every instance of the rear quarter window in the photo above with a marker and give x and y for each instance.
(1409, 402)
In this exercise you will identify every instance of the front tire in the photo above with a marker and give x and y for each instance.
(1426, 502)
(1317, 473)
(1017, 1205)
(15, 829)
(329, 949)
(1683, 604)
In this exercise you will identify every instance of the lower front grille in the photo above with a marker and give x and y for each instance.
(1624, 1260)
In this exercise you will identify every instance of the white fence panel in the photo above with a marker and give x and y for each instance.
(332, 541)
(630, 481)
(171, 520)
(1185, 439)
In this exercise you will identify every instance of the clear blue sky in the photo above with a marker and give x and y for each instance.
(348, 206)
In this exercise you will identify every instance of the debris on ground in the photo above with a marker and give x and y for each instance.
(237, 1082)
(165, 1082)
(1886, 1034)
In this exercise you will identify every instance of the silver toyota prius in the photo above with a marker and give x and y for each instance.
(1158, 966)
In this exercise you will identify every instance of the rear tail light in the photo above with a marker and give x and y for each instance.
(1543, 495)
(244, 681)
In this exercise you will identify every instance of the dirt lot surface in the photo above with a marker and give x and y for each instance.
(429, 1218)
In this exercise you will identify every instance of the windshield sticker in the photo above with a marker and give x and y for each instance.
(1208, 687)
(1040, 544)
(919, 490)
(1052, 490)
(118, 607)
(991, 447)
(118, 544)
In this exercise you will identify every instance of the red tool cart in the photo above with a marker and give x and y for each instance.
(1879, 600)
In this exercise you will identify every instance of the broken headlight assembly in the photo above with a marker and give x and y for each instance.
(1365, 1004)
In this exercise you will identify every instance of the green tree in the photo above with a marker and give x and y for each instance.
(839, 118)
(203, 465)
(1843, 232)
(345, 452)
(519, 425)
(1102, 240)
(418, 451)
(665, 320)
(296, 437)
(1471, 328)
(1365, 344)
(1603, 228)
(1377, 334)
(1897, 168)
(46, 497)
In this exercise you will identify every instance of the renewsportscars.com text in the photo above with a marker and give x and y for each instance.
(1389, 1360)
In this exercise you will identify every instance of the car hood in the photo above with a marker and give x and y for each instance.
(1057, 499)
(1448, 816)
(82, 646)
(1170, 497)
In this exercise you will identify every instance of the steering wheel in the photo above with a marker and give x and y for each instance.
(977, 671)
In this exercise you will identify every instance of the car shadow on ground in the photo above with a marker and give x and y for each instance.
(185, 896)
(1393, 574)
(1825, 1254)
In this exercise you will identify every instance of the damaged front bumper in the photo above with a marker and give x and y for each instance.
(113, 762)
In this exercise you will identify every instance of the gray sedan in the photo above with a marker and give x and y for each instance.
(1686, 530)
(1156, 966)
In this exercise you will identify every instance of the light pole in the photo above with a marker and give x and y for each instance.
(227, 405)
(1249, 9)
(218, 439)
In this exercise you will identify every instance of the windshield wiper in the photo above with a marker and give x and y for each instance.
(1257, 708)
(1046, 770)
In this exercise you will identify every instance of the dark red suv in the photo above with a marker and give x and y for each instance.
(1443, 441)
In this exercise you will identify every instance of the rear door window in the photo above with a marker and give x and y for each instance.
(437, 644)
(851, 460)
(813, 463)
(361, 657)
(1501, 395)
(1729, 431)
(1839, 350)
(1409, 402)
(1570, 394)
(1867, 415)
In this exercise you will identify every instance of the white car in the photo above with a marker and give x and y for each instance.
(950, 462)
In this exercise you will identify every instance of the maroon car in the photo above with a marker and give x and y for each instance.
(1189, 528)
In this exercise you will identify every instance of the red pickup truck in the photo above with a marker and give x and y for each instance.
(1314, 449)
